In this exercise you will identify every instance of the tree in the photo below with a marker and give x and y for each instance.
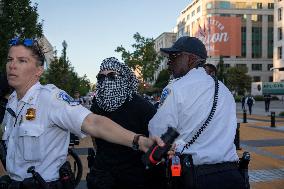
(162, 80)
(221, 70)
(238, 80)
(144, 59)
(18, 18)
(62, 74)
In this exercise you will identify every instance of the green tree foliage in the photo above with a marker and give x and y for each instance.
(62, 74)
(17, 18)
(238, 80)
(162, 80)
(144, 59)
(221, 70)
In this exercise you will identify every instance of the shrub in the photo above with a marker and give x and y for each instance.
(258, 98)
(281, 114)
(238, 98)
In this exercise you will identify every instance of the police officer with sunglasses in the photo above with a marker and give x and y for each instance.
(203, 111)
(37, 133)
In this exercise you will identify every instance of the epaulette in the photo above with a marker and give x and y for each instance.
(49, 87)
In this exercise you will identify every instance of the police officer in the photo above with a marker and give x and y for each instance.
(37, 133)
(204, 113)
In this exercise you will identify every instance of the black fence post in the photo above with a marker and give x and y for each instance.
(244, 116)
(272, 119)
(237, 137)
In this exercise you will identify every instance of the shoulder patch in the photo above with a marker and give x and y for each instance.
(66, 98)
(164, 95)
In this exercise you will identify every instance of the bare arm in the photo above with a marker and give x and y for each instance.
(104, 128)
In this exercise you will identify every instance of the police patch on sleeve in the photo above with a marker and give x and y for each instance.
(164, 95)
(66, 98)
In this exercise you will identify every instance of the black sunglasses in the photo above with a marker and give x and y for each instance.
(172, 57)
(111, 76)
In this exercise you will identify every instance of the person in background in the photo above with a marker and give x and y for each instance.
(267, 98)
(210, 69)
(250, 102)
(203, 111)
(243, 101)
(77, 98)
(116, 166)
(41, 118)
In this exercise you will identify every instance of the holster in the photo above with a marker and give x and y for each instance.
(67, 177)
(5, 181)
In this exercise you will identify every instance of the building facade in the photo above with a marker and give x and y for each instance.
(164, 40)
(278, 61)
(254, 35)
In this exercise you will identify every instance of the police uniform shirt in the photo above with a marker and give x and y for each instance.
(185, 105)
(39, 134)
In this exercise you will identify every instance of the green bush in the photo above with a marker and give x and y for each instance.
(281, 114)
(258, 98)
(238, 98)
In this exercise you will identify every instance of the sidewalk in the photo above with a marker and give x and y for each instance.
(265, 144)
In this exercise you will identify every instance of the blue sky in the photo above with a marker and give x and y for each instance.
(94, 28)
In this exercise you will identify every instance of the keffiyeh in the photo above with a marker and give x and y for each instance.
(113, 93)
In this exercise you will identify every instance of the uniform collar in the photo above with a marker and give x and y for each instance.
(30, 95)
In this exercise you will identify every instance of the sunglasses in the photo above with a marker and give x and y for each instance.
(26, 42)
(32, 43)
(111, 76)
(172, 57)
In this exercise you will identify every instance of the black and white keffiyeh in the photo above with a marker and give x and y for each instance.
(111, 94)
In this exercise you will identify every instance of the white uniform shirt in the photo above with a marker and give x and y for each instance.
(186, 104)
(43, 141)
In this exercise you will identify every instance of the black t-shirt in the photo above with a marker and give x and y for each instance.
(122, 161)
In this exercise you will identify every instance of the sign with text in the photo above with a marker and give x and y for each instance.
(221, 35)
(276, 88)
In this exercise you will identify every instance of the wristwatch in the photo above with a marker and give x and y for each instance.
(135, 145)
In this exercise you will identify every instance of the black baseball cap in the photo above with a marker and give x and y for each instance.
(187, 44)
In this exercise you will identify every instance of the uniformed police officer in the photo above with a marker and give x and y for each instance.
(37, 133)
(204, 113)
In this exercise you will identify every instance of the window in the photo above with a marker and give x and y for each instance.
(256, 78)
(188, 17)
(270, 79)
(270, 42)
(225, 15)
(270, 5)
(269, 66)
(198, 9)
(256, 5)
(256, 42)
(244, 66)
(280, 14)
(241, 5)
(244, 45)
(270, 18)
(227, 65)
(279, 52)
(193, 13)
(209, 5)
(256, 67)
(224, 5)
(256, 18)
(279, 33)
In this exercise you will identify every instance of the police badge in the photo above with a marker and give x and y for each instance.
(31, 114)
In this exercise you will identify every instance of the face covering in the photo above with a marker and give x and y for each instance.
(113, 92)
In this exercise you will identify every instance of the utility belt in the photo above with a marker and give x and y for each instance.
(184, 174)
(199, 170)
(28, 183)
(66, 181)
